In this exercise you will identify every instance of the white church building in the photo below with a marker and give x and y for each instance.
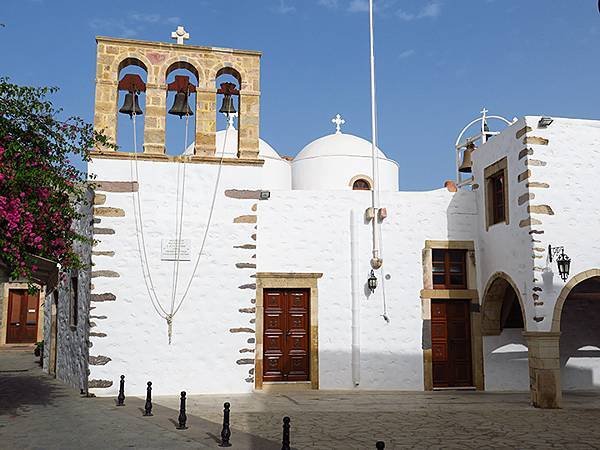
(229, 269)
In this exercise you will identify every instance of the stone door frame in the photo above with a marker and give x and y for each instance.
(471, 293)
(6, 288)
(287, 280)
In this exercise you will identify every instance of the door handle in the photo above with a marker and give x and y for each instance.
(289, 333)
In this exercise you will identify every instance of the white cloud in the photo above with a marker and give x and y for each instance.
(363, 5)
(133, 24)
(283, 7)
(406, 53)
(359, 6)
(332, 4)
(431, 10)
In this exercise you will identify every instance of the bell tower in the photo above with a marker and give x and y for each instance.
(158, 60)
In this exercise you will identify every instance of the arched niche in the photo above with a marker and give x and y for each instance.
(180, 131)
(576, 315)
(566, 290)
(125, 123)
(501, 306)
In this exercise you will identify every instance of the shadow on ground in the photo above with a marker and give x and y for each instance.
(21, 390)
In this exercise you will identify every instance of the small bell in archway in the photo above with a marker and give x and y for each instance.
(131, 105)
(180, 106)
(227, 107)
(467, 163)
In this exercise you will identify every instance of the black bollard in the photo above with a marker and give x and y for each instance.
(380, 445)
(182, 417)
(285, 442)
(225, 432)
(121, 397)
(148, 405)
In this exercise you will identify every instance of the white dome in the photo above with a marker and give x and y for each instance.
(336, 161)
(265, 151)
(338, 144)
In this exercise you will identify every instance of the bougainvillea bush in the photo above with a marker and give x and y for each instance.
(40, 187)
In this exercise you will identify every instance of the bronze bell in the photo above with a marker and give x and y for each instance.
(180, 106)
(131, 105)
(228, 106)
(467, 163)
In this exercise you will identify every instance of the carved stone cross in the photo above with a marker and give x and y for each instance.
(180, 34)
(338, 121)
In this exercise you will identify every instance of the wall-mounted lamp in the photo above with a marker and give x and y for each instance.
(545, 122)
(372, 282)
(562, 261)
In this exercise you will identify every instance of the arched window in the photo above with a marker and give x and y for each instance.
(132, 77)
(361, 185)
(181, 81)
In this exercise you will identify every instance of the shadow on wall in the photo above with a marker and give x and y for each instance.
(580, 344)
(506, 364)
(378, 370)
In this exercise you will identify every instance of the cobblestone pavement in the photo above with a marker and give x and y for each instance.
(37, 412)
(345, 420)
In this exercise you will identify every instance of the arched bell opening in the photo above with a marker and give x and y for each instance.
(228, 85)
(180, 122)
(580, 336)
(504, 346)
(131, 105)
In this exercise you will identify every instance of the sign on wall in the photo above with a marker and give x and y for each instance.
(171, 248)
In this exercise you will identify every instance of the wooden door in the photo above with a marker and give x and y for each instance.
(22, 317)
(286, 335)
(451, 343)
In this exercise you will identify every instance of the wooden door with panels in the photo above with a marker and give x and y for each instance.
(23, 312)
(451, 343)
(286, 337)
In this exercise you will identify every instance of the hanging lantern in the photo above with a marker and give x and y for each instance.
(563, 262)
(372, 282)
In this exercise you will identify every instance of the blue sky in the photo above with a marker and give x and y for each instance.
(438, 62)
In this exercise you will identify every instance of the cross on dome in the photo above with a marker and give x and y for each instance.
(180, 34)
(338, 121)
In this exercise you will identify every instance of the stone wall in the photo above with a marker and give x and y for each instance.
(72, 340)
(158, 60)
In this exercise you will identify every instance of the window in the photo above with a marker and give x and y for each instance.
(73, 301)
(496, 193)
(361, 185)
(496, 183)
(449, 269)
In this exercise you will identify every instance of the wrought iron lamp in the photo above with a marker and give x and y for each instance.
(545, 122)
(562, 261)
(372, 282)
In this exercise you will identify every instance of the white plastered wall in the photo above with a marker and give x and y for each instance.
(205, 354)
(571, 164)
(309, 231)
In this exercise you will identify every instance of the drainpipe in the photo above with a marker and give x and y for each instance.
(355, 300)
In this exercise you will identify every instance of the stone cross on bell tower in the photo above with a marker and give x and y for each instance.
(180, 34)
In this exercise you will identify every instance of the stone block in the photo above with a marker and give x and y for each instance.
(106, 211)
(523, 176)
(540, 209)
